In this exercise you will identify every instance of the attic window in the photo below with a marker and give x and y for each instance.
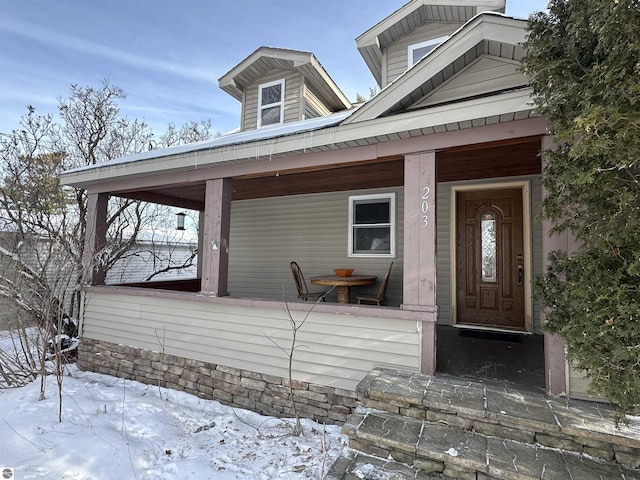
(418, 50)
(270, 103)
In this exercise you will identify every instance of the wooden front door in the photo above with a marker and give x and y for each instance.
(490, 259)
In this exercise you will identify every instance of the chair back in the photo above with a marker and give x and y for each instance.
(383, 286)
(298, 277)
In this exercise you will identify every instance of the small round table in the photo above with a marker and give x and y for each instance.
(343, 284)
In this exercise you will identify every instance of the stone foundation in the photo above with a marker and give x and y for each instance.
(265, 394)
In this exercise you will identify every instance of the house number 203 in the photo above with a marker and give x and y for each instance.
(425, 206)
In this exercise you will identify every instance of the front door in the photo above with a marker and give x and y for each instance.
(490, 259)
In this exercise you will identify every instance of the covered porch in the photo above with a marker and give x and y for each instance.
(257, 214)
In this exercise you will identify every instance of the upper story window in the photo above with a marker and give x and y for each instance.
(372, 225)
(418, 50)
(271, 103)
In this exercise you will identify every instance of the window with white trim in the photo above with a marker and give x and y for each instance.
(372, 225)
(271, 103)
(416, 51)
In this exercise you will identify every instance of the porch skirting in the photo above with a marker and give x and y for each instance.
(265, 394)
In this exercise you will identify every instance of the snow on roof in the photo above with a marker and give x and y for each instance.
(232, 138)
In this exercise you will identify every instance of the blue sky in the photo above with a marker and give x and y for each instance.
(168, 55)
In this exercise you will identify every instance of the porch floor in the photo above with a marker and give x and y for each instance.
(491, 356)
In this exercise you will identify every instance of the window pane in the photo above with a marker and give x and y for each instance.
(418, 53)
(372, 240)
(272, 94)
(270, 116)
(488, 232)
(368, 212)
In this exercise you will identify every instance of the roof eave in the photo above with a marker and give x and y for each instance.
(304, 62)
(508, 105)
(484, 26)
(368, 43)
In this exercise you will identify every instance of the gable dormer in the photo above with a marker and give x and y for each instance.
(399, 41)
(277, 86)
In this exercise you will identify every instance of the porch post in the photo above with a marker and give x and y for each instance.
(419, 283)
(554, 348)
(201, 229)
(215, 237)
(95, 238)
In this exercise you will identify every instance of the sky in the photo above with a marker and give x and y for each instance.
(167, 55)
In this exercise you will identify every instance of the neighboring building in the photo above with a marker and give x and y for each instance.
(163, 256)
(442, 168)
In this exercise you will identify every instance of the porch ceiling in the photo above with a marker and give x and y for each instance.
(491, 159)
(380, 173)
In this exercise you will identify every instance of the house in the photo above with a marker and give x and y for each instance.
(439, 173)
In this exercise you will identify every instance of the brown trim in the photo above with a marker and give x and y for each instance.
(363, 175)
(509, 158)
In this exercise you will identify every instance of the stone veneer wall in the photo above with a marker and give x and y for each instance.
(265, 394)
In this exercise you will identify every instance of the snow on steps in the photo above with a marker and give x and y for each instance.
(470, 430)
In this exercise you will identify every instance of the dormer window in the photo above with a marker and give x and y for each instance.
(271, 103)
(419, 50)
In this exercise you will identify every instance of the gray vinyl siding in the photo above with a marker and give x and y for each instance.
(267, 234)
(443, 257)
(536, 244)
(340, 349)
(486, 75)
(443, 253)
(312, 105)
(45, 258)
(396, 54)
(293, 83)
(579, 385)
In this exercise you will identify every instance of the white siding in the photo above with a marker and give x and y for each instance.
(443, 259)
(146, 259)
(339, 349)
(267, 234)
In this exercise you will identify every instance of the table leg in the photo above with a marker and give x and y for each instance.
(343, 294)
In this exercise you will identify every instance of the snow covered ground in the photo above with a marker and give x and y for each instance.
(121, 429)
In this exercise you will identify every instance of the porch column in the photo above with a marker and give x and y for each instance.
(419, 283)
(201, 229)
(554, 348)
(215, 237)
(95, 238)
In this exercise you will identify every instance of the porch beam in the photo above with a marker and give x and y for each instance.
(215, 237)
(161, 199)
(419, 283)
(95, 238)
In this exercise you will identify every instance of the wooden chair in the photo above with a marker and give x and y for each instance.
(382, 292)
(301, 285)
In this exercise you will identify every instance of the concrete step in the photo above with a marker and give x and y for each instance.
(504, 412)
(434, 448)
(415, 426)
(354, 465)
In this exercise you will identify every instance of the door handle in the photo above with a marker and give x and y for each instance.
(520, 274)
(519, 259)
